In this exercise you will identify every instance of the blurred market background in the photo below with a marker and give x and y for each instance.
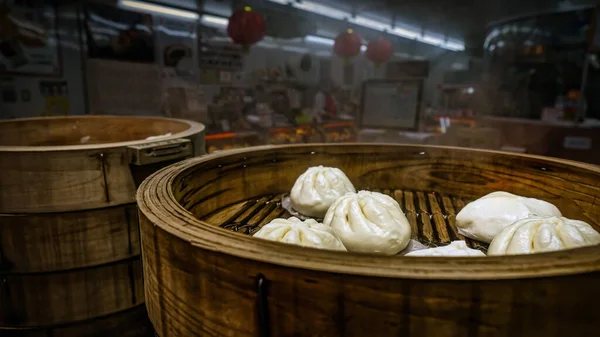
(521, 76)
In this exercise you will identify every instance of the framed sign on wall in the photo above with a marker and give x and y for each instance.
(29, 41)
(391, 104)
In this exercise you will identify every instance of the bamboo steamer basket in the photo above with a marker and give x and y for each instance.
(69, 236)
(205, 276)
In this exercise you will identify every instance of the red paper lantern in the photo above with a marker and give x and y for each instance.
(347, 44)
(246, 27)
(379, 51)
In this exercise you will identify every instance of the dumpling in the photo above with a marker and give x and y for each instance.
(455, 248)
(317, 188)
(537, 234)
(308, 233)
(485, 217)
(369, 222)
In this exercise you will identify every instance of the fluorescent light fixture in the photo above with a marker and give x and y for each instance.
(319, 40)
(373, 24)
(317, 8)
(405, 33)
(454, 46)
(157, 9)
(211, 20)
(431, 40)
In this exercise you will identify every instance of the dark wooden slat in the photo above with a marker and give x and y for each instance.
(223, 217)
(249, 212)
(399, 196)
(451, 218)
(411, 213)
(438, 218)
(432, 217)
(270, 206)
(427, 233)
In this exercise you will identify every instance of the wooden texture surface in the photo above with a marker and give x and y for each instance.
(202, 280)
(62, 297)
(128, 323)
(61, 241)
(66, 177)
(69, 238)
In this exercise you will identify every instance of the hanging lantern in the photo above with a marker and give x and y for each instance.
(379, 51)
(246, 27)
(347, 44)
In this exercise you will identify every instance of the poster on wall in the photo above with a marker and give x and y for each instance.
(56, 98)
(117, 34)
(29, 43)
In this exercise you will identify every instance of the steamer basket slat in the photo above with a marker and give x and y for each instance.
(205, 275)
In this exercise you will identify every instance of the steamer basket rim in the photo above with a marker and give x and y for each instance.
(194, 128)
(157, 204)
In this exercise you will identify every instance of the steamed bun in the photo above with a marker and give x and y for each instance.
(455, 248)
(536, 234)
(369, 222)
(485, 217)
(308, 233)
(317, 188)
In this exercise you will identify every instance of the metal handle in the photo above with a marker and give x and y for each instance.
(262, 306)
(151, 153)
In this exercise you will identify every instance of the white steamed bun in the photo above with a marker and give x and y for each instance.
(308, 233)
(369, 222)
(536, 234)
(317, 188)
(485, 217)
(455, 248)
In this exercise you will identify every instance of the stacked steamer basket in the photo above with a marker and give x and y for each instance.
(205, 276)
(69, 237)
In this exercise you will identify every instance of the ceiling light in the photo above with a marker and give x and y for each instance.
(335, 13)
(405, 33)
(319, 40)
(212, 20)
(431, 40)
(157, 9)
(321, 10)
(454, 46)
(373, 24)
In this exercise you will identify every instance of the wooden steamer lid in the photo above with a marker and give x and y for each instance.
(204, 280)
